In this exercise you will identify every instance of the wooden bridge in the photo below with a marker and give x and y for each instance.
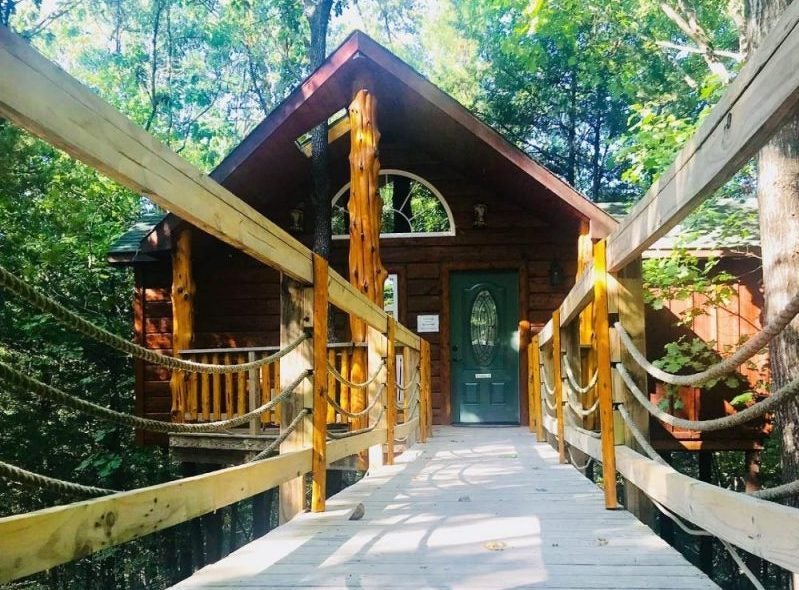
(482, 508)
(468, 508)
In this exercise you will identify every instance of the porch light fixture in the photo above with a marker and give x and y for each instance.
(297, 217)
(555, 274)
(480, 210)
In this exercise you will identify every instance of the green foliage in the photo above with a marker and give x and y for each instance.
(681, 276)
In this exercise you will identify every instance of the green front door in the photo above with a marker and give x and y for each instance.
(484, 314)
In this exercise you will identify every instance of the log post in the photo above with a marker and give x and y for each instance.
(296, 316)
(526, 392)
(366, 271)
(626, 300)
(320, 384)
(391, 390)
(557, 376)
(183, 288)
(604, 383)
(253, 389)
(422, 397)
(425, 377)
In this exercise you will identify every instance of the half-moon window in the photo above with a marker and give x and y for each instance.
(411, 207)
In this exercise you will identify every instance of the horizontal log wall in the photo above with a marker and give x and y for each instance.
(238, 298)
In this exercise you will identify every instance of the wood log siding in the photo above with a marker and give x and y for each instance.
(237, 299)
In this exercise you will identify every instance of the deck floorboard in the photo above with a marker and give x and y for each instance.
(485, 508)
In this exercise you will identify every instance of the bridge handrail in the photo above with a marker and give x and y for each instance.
(41, 98)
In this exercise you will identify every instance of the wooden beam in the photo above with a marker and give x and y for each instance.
(762, 97)
(545, 335)
(345, 447)
(604, 383)
(37, 541)
(579, 297)
(320, 385)
(49, 103)
(537, 396)
(296, 316)
(426, 384)
(334, 132)
(558, 377)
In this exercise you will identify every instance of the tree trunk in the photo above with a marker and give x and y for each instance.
(318, 14)
(777, 192)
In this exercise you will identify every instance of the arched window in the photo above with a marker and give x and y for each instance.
(412, 207)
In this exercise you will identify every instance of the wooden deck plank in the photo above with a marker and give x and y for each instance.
(473, 508)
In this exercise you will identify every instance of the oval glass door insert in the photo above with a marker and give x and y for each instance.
(483, 322)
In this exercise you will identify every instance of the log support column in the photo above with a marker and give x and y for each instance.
(183, 289)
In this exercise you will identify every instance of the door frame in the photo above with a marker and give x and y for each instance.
(444, 352)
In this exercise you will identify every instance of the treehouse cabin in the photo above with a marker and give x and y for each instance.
(695, 325)
(475, 237)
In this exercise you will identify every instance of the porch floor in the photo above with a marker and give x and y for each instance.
(484, 508)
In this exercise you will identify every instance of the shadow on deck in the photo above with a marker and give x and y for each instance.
(473, 508)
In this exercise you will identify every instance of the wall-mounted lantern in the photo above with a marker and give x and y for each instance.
(556, 276)
(480, 210)
(297, 224)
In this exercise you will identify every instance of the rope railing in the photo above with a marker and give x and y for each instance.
(351, 433)
(344, 381)
(639, 436)
(275, 444)
(577, 406)
(695, 532)
(777, 492)
(582, 467)
(22, 382)
(758, 410)
(574, 383)
(749, 349)
(350, 414)
(31, 479)
(70, 319)
(411, 382)
(550, 389)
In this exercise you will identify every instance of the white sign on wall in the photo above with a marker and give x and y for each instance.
(427, 323)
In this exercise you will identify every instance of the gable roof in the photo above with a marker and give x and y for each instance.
(406, 101)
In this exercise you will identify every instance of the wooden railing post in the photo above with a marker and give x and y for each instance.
(320, 385)
(422, 394)
(532, 415)
(391, 390)
(604, 383)
(426, 383)
(377, 389)
(557, 376)
(537, 397)
(296, 316)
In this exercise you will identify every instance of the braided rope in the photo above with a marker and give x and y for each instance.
(411, 382)
(344, 381)
(553, 407)
(758, 410)
(582, 467)
(777, 492)
(577, 406)
(22, 382)
(31, 479)
(349, 414)
(639, 436)
(401, 408)
(275, 444)
(550, 389)
(351, 433)
(703, 533)
(574, 383)
(728, 365)
(83, 326)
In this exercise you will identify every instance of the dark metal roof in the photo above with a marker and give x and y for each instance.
(127, 248)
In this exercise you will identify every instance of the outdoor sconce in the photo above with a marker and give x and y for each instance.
(297, 224)
(555, 274)
(480, 210)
